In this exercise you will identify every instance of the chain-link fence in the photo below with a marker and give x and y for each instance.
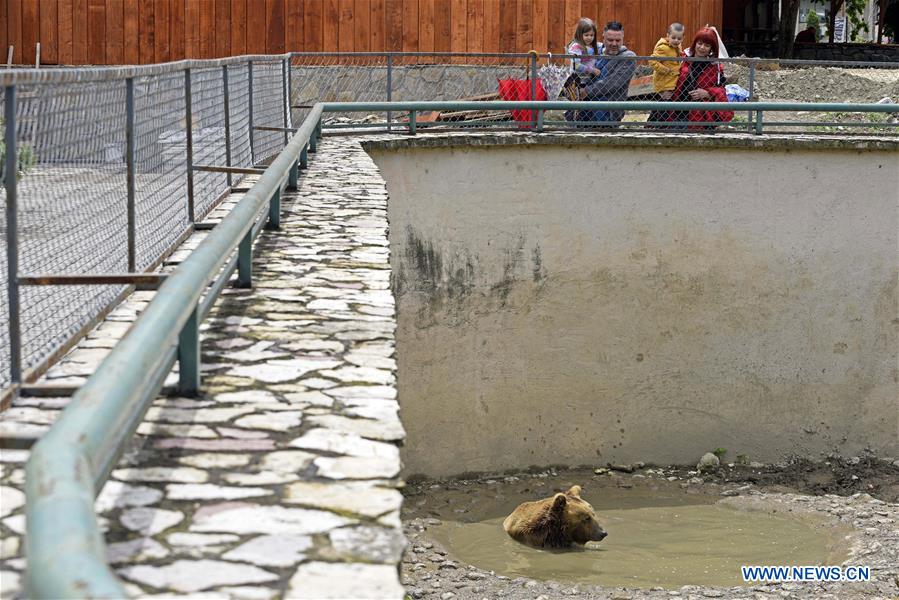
(114, 166)
(369, 77)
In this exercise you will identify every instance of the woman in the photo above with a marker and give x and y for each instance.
(701, 82)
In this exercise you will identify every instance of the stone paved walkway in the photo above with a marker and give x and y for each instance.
(280, 480)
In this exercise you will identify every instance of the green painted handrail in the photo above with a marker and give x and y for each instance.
(607, 105)
(69, 465)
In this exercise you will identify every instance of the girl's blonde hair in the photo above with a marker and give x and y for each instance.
(583, 26)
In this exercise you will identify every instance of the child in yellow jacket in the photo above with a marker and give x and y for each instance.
(665, 72)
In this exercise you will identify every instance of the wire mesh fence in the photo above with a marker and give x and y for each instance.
(420, 77)
(74, 183)
(160, 164)
(268, 108)
(72, 128)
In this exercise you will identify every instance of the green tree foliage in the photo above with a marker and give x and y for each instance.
(812, 20)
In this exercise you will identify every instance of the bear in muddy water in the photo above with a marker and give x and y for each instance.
(557, 522)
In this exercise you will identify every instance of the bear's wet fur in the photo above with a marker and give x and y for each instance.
(557, 522)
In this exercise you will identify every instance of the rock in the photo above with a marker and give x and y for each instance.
(708, 462)
(622, 468)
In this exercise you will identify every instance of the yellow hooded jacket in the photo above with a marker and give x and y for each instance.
(665, 72)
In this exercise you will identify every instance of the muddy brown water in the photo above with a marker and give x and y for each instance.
(659, 535)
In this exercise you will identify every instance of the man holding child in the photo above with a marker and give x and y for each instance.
(614, 76)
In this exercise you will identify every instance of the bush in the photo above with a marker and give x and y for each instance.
(813, 20)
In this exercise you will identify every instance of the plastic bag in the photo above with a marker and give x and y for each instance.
(736, 93)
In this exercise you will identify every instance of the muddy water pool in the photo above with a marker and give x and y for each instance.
(659, 535)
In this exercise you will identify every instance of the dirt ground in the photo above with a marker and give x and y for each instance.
(837, 475)
(875, 476)
(819, 84)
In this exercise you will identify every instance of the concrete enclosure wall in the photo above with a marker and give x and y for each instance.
(595, 303)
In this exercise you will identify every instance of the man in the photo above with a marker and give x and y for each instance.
(809, 35)
(615, 75)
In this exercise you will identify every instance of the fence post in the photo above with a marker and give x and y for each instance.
(533, 78)
(245, 261)
(304, 157)
(412, 122)
(189, 123)
(129, 164)
(11, 172)
(189, 355)
(284, 101)
(250, 109)
(226, 98)
(752, 64)
(389, 88)
(758, 122)
(274, 211)
(293, 176)
(290, 90)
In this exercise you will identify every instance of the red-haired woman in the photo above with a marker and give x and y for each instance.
(701, 82)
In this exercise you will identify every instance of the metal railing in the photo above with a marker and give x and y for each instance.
(418, 76)
(69, 465)
(540, 108)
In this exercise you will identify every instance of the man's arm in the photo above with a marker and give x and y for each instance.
(616, 82)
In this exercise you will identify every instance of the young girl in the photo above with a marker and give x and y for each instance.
(702, 82)
(665, 72)
(583, 69)
(584, 44)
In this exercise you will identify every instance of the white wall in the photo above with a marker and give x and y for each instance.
(578, 305)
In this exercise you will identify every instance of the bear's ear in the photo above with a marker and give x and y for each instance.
(559, 502)
(575, 491)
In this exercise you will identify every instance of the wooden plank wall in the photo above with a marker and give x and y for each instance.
(148, 31)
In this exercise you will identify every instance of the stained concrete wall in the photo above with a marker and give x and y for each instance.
(579, 304)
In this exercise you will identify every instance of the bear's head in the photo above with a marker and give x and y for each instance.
(577, 516)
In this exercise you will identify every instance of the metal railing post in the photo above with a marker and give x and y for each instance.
(412, 122)
(389, 88)
(245, 261)
(129, 164)
(290, 91)
(274, 211)
(293, 176)
(284, 101)
(304, 157)
(250, 109)
(540, 115)
(533, 78)
(752, 64)
(226, 97)
(189, 124)
(189, 355)
(758, 122)
(11, 173)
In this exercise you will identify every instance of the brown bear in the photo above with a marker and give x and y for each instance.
(556, 522)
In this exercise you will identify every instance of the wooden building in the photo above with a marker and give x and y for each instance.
(147, 31)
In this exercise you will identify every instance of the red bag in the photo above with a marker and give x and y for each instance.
(520, 89)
